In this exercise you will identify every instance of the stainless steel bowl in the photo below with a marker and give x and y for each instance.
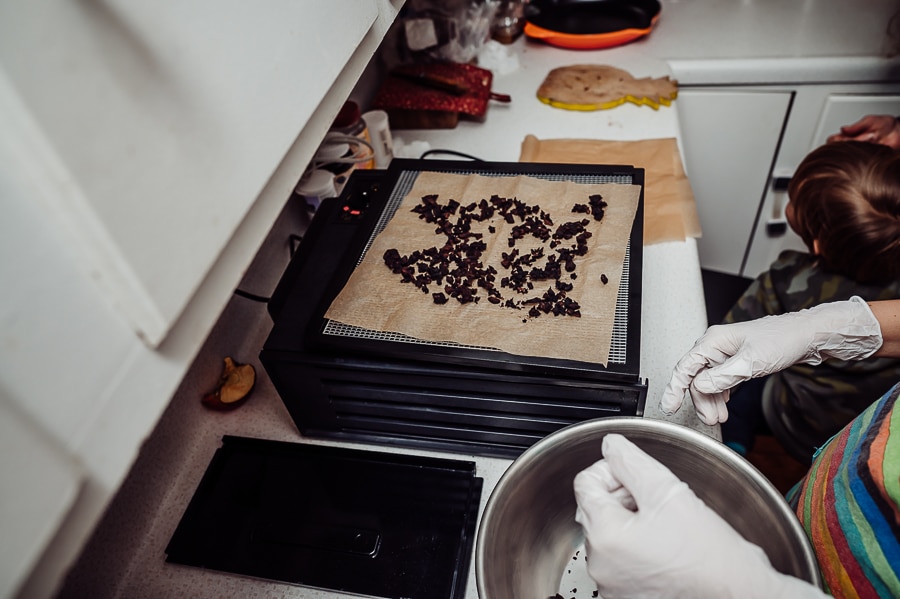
(528, 535)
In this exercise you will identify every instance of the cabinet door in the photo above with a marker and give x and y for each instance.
(730, 141)
(40, 483)
(159, 123)
(844, 109)
(772, 235)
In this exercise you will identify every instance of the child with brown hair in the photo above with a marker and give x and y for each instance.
(845, 205)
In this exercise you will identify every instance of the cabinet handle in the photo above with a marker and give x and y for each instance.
(780, 183)
(776, 226)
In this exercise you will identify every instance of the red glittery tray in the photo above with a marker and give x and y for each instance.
(413, 89)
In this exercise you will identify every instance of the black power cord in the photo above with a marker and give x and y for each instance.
(452, 153)
(251, 296)
(293, 244)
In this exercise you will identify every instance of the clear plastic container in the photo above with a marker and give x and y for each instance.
(316, 185)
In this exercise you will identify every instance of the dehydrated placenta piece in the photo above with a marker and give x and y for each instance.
(509, 258)
(392, 259)
(581, 209)
(572, 308)
(598, 206)
(604, 279)
(456, 266)
(531, 225)
(554, 303)
(431, 211)
(570, 229)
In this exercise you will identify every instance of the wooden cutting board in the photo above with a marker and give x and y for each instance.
(435, 95)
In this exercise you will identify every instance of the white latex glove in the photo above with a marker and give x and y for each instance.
(648, 535)
(730, 354)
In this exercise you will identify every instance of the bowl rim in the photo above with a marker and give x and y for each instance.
(624, 424)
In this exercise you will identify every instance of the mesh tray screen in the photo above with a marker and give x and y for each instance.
(618, 345)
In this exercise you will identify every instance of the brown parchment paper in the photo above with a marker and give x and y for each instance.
(670, 212)
(375, 299)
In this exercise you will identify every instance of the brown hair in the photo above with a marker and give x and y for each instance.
(846, 195)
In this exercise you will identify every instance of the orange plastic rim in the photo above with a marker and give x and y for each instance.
(586, 41)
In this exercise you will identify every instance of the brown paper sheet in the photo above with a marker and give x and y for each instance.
(374, 298)
(670, 212)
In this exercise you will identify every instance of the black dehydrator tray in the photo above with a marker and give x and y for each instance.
(362, 522)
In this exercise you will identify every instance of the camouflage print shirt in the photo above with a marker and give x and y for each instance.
(818, 400)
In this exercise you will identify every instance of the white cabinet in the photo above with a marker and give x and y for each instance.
(164, 121)
(146, 150)
(742, 143)
(40, 484)
(818, 113)
(730, 138)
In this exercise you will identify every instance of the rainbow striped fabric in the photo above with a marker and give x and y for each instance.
(849, 504)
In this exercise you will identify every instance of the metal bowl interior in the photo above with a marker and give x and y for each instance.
(528, 532)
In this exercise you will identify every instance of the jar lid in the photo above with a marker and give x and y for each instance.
(317, 183)
(332, 150)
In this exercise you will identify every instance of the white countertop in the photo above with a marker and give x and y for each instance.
(797, 41)
(500, 137)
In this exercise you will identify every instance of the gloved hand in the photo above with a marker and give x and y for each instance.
(648, 535)
(730, 354)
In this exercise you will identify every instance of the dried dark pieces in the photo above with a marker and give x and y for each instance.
(457, 266)
(554, 303)
(531, 226)
(604, 279)
(570, 229)
(598, 206)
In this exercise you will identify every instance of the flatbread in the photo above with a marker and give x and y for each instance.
(599, 87)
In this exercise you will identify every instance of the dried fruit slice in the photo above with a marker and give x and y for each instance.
(234, 386)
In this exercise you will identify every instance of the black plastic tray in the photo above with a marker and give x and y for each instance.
(369, 523)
